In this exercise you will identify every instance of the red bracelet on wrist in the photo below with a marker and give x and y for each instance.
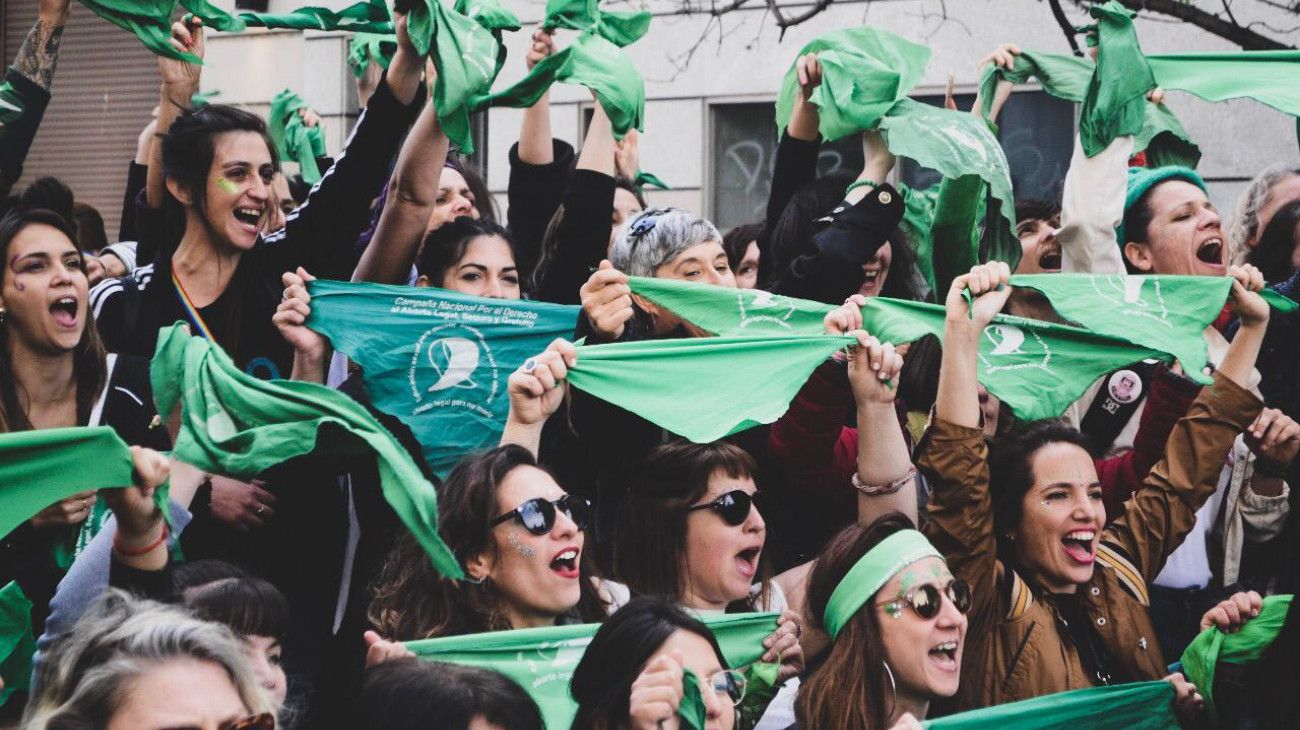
(137, 552)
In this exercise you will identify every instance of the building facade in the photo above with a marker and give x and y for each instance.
(710, 127)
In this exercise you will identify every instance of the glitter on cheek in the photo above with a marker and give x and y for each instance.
(227, 185)
(518, 546)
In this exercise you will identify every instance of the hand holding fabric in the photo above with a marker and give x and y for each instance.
(607, 301)
(873, 368)
(134, 506)
(783, 645)
(543, 46)
(70, 511)
(1250, 307)
(989, 288)
(181, 77)
(537, 388)
(1004, 56)
(1188, 702)
(380, 650)
(291, 318)
(1233, 612)
(657, 694)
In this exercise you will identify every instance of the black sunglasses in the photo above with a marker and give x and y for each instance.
(925, 600)
(732, 506)
(537, 515)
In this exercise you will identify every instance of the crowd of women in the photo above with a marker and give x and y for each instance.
(921, 551)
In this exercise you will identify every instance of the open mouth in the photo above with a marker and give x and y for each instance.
(565, 562)
(1210, 251)
(65, 311)
(1078, 545)
(945, 655)
(747, 561)
(1050, 258)
(251, 218)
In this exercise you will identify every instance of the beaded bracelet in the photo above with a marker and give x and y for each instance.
(860, 184)
(883, 489)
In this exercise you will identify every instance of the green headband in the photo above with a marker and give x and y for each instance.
(872, 572)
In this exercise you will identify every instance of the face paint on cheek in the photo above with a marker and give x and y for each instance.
(228, 186)
(518, 546)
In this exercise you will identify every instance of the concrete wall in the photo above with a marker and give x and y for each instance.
(742, 58)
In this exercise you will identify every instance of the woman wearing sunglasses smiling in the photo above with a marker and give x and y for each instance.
(518, 535)
(898, 620)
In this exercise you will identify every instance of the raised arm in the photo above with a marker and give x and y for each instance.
(536, 390)
(412, 196)
(29, 82)
(796, 152)
(1158, 517)
(180, 81)
(535, 130)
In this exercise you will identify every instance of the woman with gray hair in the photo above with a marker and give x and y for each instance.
(144, 666)
(1270, 190)
(664, 243)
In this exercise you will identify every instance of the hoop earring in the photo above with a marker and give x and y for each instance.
(893, 687)
(2, 316)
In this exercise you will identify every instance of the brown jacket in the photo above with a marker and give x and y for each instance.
(1016, 647)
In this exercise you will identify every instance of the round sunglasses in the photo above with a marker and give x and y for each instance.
(733, 507)
(537, 515)
(925, 600)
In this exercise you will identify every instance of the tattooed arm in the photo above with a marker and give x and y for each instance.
(25, 91)
(39, 53)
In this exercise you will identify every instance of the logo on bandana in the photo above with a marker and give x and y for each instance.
(1015, 347)
(764, 308)
(453, 367)
(1126, 293)
(1124, 386)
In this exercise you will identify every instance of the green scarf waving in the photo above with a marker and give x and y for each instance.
(151, 20)
(590, 61)
(293, 139)
(1246, 645)
(1139, 706)
(619, 28)
(234, 424)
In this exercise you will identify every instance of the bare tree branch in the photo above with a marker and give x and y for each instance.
(1067, 27)
(1246, 38)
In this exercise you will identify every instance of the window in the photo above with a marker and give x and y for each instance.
(1036, 131)
(743, 153)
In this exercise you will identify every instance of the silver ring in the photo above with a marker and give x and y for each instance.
(530, 365)
(285, 296)
(260, 509)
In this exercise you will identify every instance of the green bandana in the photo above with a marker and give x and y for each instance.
(542, 660)
(1165, 313)
(1037, 368)
(467, 56)
(365, 47)
(872, 571)
(293, 139)
(644, 179)
(619, 28)
(234, 424)
(590, 61)
(1138, 706)
(1162, 136)
(1246, 645)
(1114, 104)
(1268, 77)
(865, 71)
(17, 645)
(653, 378)
(440, 362)
(12, 105)
(151, 20)
(37, 469)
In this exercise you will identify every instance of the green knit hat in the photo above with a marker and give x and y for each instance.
(1142, 179)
